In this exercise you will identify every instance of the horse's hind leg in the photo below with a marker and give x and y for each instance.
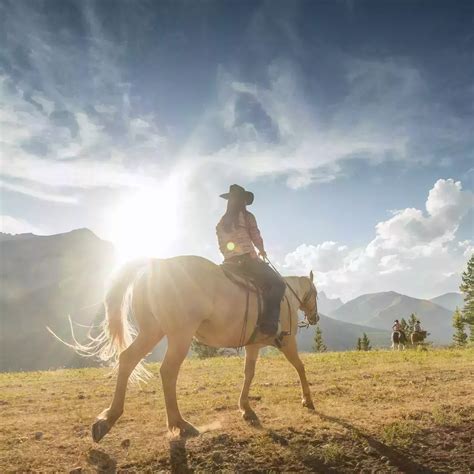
(290, 351)
(128, 360)
(178, 347)
(251, 356)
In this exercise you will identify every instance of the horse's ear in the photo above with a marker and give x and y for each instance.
(311, 275)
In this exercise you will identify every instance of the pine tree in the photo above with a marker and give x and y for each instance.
(467, 288)
(203, 351)
(459, 336)
(359, 344)
(365, 343)
(319, 345)
(404, 325)
(411, 324)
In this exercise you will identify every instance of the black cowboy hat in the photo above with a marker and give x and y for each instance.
(235, 189)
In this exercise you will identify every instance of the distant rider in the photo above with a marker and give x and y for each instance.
(397, 327)
(417, 327)
(238, 235)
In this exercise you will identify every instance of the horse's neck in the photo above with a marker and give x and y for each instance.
(295, 284)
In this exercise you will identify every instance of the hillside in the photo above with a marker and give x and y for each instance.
(42, 280)
(450, 301)
(378, 411)
(379, 310)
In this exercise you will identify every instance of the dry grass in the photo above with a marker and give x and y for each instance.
(404, 411)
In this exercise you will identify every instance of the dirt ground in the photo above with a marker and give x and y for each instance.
(375, 412)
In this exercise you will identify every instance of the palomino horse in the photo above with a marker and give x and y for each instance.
(181, 298)
(399, 339)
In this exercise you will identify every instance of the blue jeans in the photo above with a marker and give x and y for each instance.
(273, 288)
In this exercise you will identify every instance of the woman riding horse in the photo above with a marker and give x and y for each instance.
(238, 233)
(188, 297)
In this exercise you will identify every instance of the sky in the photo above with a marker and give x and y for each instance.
(351, 121)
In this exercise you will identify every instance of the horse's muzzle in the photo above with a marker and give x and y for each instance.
(313, 319)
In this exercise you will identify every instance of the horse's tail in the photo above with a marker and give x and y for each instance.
(119, 329)
(116, 332)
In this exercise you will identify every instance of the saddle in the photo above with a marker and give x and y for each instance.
(233, 271)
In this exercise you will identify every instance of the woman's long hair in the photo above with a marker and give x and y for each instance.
(230, 219)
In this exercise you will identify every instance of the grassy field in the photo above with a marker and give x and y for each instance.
(409, 411)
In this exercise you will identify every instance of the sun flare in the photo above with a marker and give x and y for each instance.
(145, 223)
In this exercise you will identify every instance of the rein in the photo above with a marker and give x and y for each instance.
(301, 324)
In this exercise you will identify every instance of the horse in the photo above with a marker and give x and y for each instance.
(418, 337)
(399, 339)
(182, 298)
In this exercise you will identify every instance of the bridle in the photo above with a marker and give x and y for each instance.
(306, 323)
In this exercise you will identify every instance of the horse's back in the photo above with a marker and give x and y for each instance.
(181, 289)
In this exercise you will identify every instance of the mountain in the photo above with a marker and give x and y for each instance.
(379, 310)
(339, 336)
(327, 305)
(42, 280)
(449, 300)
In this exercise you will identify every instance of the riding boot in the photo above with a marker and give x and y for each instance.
(271, 314)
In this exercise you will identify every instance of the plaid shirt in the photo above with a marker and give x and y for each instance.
(240, 239)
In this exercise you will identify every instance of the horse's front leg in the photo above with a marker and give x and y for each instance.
(178, 347)
(251, 356)
(290, 351)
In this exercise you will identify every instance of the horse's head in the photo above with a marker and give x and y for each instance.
(309, 302)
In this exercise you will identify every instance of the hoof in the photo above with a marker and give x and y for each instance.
(99, 429)
(308, 404)
(251, 417)
(189, 431)
(184, 430)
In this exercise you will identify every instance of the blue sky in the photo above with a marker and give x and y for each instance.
(343, 117)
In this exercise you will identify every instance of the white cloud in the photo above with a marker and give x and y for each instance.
(251, 131)
(412, 252)
(324, 257)
(91, 158)
(55, 135)
(272, 129)
(12, 225)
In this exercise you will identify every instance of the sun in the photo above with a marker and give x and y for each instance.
(145, 223)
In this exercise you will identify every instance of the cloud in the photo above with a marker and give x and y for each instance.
(274, 128)
(34, 191)
(281, 121)
(53, 138)
(412, 252)
(12, 225)
(324, 257)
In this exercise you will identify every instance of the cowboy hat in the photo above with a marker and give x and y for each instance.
(235, 189)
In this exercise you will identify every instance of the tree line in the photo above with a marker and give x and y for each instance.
(465, 317)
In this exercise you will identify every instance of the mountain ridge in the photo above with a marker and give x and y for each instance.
(44, 278)
(379, 310)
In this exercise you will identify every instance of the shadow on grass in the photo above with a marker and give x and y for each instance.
(179, 456)
(101, 461)
(395, 456)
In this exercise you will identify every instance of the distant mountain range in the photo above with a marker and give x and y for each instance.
(43, 279)
(379, 310)
(340, 336)
(449, 301)
(328, 305)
